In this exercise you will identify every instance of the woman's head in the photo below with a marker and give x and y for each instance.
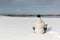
(38, 16)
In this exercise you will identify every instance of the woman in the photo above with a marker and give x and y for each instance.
(39, 27)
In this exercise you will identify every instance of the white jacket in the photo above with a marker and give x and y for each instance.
(39, 26)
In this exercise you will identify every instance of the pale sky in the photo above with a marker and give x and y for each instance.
(49, 6)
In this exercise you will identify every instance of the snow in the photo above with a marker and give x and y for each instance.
(20, 28)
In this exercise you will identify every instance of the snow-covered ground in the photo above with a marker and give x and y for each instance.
(20, 28)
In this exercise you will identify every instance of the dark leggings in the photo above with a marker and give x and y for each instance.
(45, 28)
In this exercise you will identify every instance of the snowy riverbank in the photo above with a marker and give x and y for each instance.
(20, 28)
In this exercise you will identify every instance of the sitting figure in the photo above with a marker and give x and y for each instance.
(40, 27)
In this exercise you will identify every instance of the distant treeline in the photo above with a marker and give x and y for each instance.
(30, 15)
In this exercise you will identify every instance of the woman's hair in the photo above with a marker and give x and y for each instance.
(38, 16)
